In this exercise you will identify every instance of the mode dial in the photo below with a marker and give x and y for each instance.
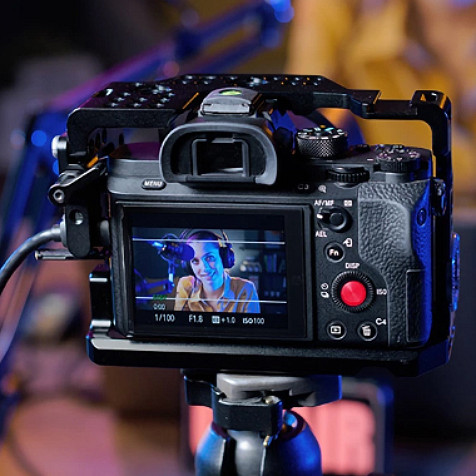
(321, 142)
(398, 159)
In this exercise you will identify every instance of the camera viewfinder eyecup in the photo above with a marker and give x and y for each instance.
(217, 152)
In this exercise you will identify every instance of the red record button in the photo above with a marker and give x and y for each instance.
(353, 293)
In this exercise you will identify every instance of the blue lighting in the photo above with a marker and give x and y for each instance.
(463, 3)
(283, 11)
(280, 5)
(39, 138)
(55, 167)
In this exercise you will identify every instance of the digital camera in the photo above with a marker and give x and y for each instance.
(243, 231)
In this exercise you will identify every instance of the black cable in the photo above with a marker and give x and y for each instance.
(19, 255)
(10, 326)
(7, 335)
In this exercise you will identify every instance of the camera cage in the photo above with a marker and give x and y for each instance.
(154, 105)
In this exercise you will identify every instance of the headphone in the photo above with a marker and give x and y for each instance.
(225, 248)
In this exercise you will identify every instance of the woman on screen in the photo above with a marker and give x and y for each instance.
(210, 288)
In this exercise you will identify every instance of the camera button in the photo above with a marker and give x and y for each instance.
(334, 252)
(336, 330)
(353, 293)
(334, 218)
(367, 331)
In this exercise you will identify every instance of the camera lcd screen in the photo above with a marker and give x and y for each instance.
(215, 274)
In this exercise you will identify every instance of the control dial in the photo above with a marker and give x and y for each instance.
(398, 159)
(350, 175)
(321, 142)
(352, 291)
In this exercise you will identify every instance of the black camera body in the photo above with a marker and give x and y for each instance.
(344, 255)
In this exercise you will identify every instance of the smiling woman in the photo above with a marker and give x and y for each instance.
(211, 288)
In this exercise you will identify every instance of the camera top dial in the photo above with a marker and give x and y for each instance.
(321, 142)
(398, 158)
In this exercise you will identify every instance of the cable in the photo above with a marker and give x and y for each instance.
(19, 255)
(9, 327)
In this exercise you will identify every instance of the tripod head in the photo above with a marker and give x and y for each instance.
(253, 432)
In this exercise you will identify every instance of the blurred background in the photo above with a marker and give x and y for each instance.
(61, 414)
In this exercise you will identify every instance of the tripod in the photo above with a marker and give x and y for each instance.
(253, 432)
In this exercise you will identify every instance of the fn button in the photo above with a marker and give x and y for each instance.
(334, 252)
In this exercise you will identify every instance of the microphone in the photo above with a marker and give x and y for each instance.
(174, 250)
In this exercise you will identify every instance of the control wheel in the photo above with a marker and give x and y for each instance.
(322, 142)
(348, 175)
(352, 291)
